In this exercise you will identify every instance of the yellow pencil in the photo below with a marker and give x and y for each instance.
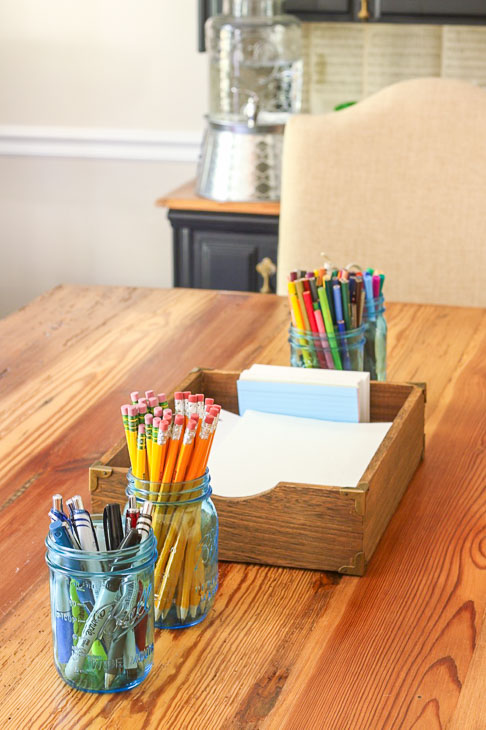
(201, 448)
(142, 470)
(175, 441)
(148, 418)
(155, 448)
(185, 451)
(124, 412)
(132, 433)
(189, 565)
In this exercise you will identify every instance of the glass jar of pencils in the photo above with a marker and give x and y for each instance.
(375, 335)
(339, 351)
(102, 612)
(185, 524)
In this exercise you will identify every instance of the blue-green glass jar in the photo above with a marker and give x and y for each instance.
(340, 351)
(185, 524)
(376, 335)
(102, 613)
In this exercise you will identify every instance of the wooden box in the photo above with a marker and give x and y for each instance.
(313, 526)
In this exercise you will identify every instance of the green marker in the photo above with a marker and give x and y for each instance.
(326, 314)
(78, 611)
(345, 298)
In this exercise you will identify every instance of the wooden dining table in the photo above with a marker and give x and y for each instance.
(402, 647)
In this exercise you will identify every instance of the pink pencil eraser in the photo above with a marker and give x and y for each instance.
(209, 419)
(179, 395)
(209, 401)
(167, 412)
(187, 393)
(134, 395)
(142, 408)
(153, 402)
(164, 425)
(149, 393)
(124, 410)
(132, 411)
(141, 428)
(158, 412)
(214, 410)
(148, 418)
(162, 397)
(143, 400)
(192, 399)
(200, 397)
(192, 424)
(156, 422)
(179, 419)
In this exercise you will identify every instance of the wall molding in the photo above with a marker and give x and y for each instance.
(99, 143)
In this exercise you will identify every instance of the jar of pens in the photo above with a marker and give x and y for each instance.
(169, 470)
(337, 320)
(102, 596)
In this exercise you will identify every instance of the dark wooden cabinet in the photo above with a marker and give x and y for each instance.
(389, 11)
(467, 12)
(222, 250)
(435, 11)
(220, 245)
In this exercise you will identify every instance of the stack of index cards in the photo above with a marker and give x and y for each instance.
(331, 395)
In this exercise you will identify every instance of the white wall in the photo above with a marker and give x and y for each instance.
(117, 69)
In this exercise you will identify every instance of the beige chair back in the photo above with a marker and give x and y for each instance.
(397, 182)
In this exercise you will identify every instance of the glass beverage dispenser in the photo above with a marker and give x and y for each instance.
(255, 78)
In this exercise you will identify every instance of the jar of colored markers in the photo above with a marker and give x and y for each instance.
(339, 351)
(102, 610)
(375, 336)
(185, 524)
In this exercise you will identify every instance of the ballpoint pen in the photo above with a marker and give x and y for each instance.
(144, 521)
(131, 514)
(84, 526)
(112, 526)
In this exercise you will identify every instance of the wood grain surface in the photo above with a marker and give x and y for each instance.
(402, 647)
(185, 198)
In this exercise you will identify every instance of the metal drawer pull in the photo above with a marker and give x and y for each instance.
(266, 268)
(364, 13)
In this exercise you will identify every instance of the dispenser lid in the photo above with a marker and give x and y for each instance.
(245, 128)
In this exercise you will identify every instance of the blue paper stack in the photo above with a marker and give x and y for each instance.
(331, 395)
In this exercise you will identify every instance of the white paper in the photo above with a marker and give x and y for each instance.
(356, 380)
(263, 449)
(307, 376)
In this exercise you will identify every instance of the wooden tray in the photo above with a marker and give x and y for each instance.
(302, 525)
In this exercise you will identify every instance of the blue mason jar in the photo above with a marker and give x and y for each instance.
(185, 524)
(376, 335)
(341, 351)
(102, 613)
